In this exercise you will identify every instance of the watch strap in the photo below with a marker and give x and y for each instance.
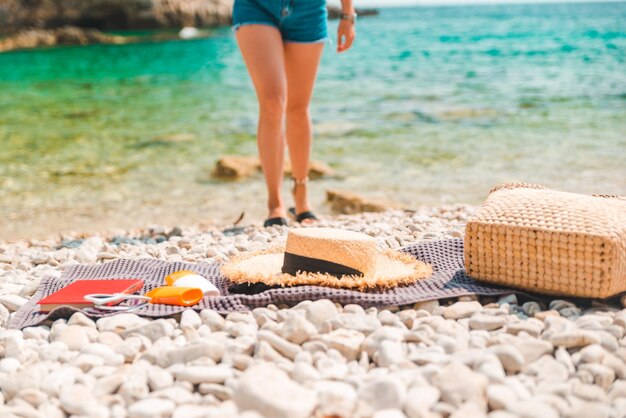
(351, 17)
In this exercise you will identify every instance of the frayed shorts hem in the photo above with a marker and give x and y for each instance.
(317, 41)
(235, 27)
(238, 25)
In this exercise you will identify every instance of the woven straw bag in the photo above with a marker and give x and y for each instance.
(547, 241)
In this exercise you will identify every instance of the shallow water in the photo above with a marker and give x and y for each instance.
(432, 105)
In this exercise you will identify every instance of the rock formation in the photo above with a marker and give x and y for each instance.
(346, 202)
(334, 12)
(236, 167)
(196, 13)
(16, 15)
(66, 35)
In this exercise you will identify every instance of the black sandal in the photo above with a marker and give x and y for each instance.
(307, 215)
(303, 216)
(279, 220)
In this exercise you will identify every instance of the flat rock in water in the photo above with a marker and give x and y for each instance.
(236, 167)
(346, 202)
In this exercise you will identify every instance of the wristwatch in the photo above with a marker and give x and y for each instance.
(350, 17)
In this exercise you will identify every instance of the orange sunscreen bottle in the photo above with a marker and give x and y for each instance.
(187, 278)
(174, 295)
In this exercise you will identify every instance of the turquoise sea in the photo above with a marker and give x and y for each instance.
(432, 105)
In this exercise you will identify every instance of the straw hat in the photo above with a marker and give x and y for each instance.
(327, 257)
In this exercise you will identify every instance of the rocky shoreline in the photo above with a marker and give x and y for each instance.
(498, 358)
(67, 35)
(27, 24)
(106, 15)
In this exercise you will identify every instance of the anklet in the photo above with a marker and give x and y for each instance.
(299, 182)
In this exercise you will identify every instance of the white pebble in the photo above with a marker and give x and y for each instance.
(151, 408)
(281, 399)
(190, 318)
(460, 310)
(12, 302)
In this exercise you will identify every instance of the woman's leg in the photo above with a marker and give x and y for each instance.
(301, 63)
(262, 50)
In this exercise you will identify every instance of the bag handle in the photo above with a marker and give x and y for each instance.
(610, 196)
(511, 186)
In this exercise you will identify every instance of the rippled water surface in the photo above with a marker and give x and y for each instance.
(432, 105)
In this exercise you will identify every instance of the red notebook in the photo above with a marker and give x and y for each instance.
(74, 294)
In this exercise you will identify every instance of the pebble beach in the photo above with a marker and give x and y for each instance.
(469, 357)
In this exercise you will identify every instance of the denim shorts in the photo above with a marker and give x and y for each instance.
(297, 20)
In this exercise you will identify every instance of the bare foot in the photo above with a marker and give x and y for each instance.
(278, 212)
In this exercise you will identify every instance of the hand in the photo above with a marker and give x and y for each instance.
(345, 35)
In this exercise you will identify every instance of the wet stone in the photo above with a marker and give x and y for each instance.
(531, 308)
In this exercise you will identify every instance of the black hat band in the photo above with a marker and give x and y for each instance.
(294, 263)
